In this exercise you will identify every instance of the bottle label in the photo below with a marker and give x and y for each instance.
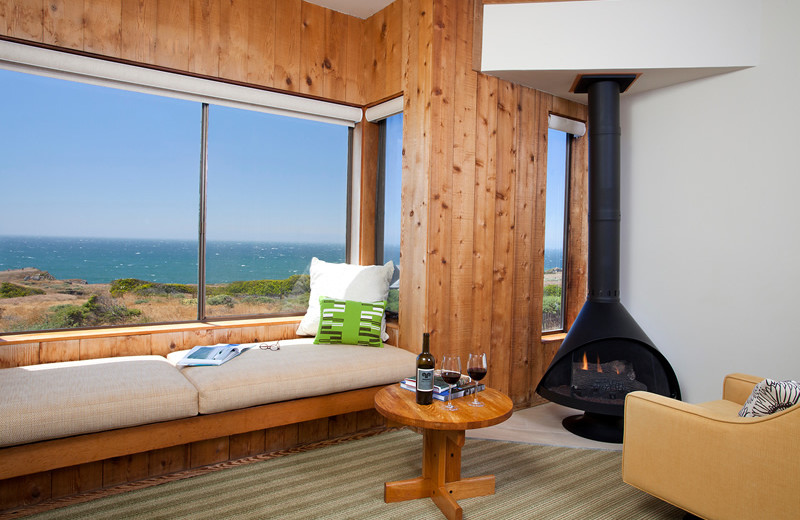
(425, 379)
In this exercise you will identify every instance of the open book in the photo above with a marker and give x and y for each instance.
(211, 355)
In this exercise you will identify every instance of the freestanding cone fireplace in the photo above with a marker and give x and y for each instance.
(605, 354)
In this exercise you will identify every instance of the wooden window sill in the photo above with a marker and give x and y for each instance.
(553, 336)
(63, 335)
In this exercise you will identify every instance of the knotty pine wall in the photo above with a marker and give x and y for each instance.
(288, 45)
(474, 164)
(474, 177)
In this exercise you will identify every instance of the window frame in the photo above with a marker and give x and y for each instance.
(378, 114)
(574, 130)
(62, 65)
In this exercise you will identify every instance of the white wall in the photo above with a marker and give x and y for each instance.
(711, 216)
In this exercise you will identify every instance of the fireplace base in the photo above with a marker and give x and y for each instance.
(596, 426)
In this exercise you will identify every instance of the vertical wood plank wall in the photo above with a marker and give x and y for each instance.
(474, 158)
(475, 154)
(288, 45)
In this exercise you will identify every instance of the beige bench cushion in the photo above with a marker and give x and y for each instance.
(61, 399)
(298, 369)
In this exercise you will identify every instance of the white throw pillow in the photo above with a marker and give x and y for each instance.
(771, 396)
(360, 283)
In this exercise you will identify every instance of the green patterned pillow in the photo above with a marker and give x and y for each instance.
(350, 323)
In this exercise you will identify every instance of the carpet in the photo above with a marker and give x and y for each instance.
(345, 481)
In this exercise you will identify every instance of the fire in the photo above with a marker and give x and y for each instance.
(585, 364)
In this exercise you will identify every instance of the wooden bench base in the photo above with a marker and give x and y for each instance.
(50, 469)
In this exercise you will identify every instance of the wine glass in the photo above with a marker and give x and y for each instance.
(451, 373)
(476, 368)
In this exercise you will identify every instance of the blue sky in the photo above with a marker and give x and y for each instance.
(81, 160)
(556, 185)
(394, 166)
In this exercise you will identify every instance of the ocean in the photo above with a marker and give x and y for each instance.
(101, 260)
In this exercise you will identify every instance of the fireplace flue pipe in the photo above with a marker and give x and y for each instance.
(604, 196)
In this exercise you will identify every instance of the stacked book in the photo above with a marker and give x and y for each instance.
(441, 390)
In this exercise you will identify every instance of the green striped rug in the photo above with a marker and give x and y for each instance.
(345, 481)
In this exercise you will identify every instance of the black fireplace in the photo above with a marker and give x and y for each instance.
(605, 354)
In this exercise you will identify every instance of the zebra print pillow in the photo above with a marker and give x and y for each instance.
(350, 323)
(771, 396)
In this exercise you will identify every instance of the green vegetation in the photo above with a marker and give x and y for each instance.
(221, 299)
(141, 287)
(551, 307)
(289, 295)
(294, 285)
(161, 299)
(96, 311)
(393, 301)
(552, 290)
(12, 290)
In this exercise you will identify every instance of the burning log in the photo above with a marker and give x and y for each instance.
(612, 380)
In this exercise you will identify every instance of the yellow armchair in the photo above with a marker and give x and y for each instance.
(708, 461)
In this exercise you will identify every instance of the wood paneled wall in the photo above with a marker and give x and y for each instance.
(287, 45)
(474, 153)
(474, 203)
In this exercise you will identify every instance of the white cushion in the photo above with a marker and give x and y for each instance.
(61, 399)
(771, 396)
(359, 283)
(298, 369)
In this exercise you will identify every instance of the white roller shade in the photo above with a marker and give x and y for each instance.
(384, 110)
(564, 124)
(63, 65)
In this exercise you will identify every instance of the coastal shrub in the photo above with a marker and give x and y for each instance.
(144, 288)
(123, 285)
(551, 305)
(393, 301)
(95, 312)
(551, 312)
(221, 299)
(177, 288)
(295, 284)
(552, 290)
(12, 290)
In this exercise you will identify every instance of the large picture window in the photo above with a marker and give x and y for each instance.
(99, 222)
(277, 196)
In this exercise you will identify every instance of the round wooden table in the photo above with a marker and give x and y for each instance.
(443, 437)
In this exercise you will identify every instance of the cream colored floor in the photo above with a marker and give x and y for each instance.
(540, 425)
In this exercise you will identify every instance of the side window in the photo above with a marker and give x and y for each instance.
(387, 230)
(555, 244)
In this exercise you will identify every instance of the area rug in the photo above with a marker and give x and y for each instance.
(345, 481)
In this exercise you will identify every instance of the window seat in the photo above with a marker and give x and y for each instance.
(71, 413)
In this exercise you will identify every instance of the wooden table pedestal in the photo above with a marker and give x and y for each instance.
(441, 475)
(442, 440)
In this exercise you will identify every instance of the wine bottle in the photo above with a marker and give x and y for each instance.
(425, 366)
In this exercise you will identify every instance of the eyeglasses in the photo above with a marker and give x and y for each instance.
(270, 346)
